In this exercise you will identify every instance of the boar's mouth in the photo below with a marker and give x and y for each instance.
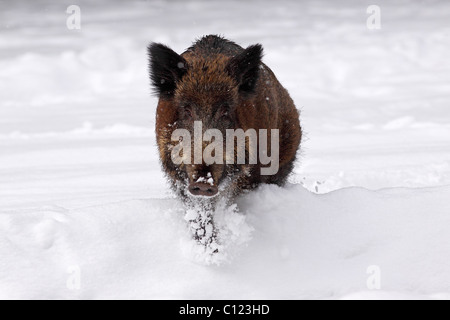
(203, 186)
(203, 189)
(204, 180)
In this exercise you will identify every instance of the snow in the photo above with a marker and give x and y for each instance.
(208, 179)
(289, 244)
(83, 199)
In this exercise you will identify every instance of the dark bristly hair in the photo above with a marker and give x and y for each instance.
(244, 67)
(166, 69)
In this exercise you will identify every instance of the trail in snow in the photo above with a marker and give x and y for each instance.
(292, 244)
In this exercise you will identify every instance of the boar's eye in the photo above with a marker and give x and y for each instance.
(225, 111)
(187, 112)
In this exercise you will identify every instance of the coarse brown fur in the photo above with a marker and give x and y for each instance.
(226, 87)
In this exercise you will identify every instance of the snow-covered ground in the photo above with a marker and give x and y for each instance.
(85, 211)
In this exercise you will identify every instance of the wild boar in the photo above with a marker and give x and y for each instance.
(217, 84)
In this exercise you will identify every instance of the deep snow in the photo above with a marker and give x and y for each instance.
(81, 188)
(303, 246)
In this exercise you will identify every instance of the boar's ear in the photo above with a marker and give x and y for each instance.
(244, 67)
(166, 69)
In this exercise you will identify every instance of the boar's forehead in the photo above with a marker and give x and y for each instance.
(206, 82)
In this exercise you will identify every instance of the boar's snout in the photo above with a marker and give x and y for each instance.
(203, 189)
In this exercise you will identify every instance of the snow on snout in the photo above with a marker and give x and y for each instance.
(209, 179)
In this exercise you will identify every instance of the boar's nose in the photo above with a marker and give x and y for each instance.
(203, 189)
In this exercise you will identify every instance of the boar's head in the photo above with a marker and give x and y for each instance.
(206, 88)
